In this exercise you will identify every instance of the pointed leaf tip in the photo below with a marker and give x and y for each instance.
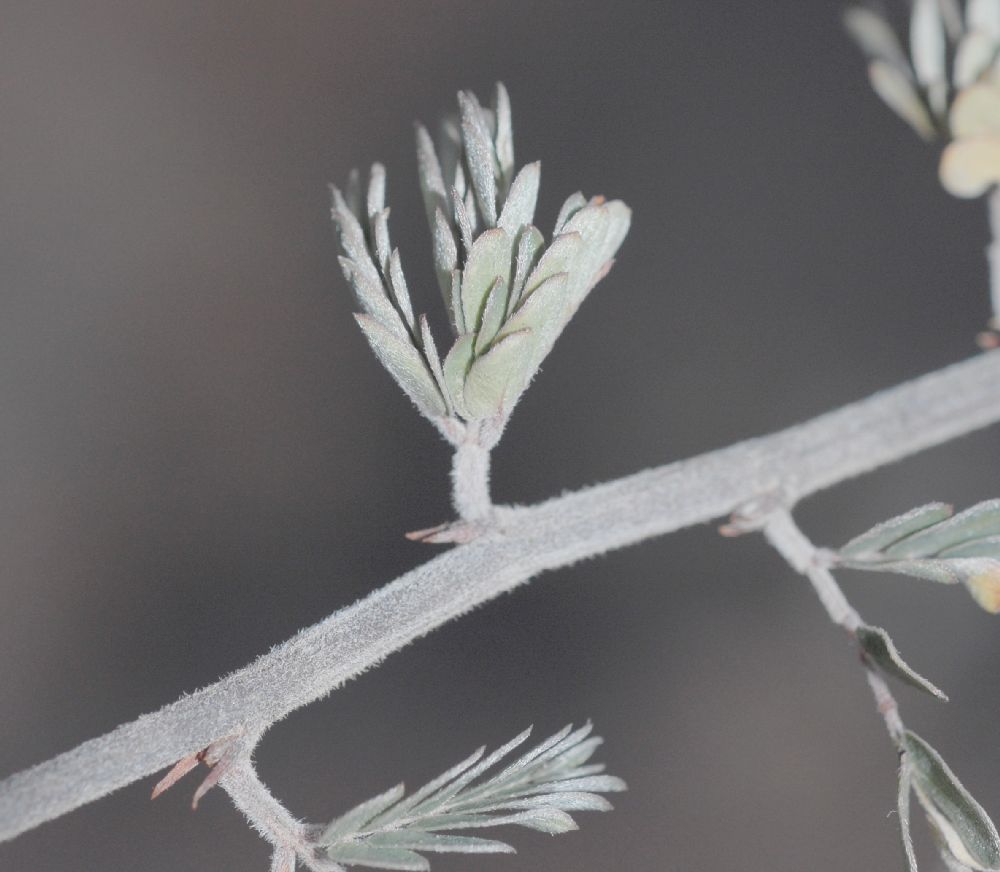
(875, 36)
(875, 642)
(480, 156)
(519, 208)
(899, 94)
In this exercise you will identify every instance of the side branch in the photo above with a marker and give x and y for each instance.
(993, 256)
(790, 542)
(796, 462)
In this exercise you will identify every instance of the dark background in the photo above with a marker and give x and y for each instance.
(199, 455)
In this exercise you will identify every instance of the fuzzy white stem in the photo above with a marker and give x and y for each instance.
(799, 461)
(993, 254)
(886, 704)
(283, 860)
(791, 543)
(264, 813)
(470, 481)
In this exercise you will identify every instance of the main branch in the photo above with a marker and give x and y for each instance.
(794, 463)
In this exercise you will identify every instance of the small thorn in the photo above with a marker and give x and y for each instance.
(220, 756)
(732, 530)
(452, 533)
(210, 781)
(755, 514)
(987, 340)
(177, 772)
(424, 535)
(740, 524)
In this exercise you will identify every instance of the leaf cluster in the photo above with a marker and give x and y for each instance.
(536, 791)
(933, 543)
(508, 294)
(948, 84)
(917, 84)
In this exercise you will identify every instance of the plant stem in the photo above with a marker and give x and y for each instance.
(265, 814)
(470, 480)
(791, 543)
(993, 254)
(799, 461)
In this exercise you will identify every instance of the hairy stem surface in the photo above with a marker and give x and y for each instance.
(791, 543)
(470, 481)
(796, 462)
(266, 815)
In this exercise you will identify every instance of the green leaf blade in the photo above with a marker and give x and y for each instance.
(405, 365)
(602, 227)
(970, 835)
(574, 203)
(503, 142)
(403, 807)
(445, 254)
(493, 312)
(976, 522)
(499, 375)
(359, 816)
(528, 249)
(371, 296)
(903, 807)
(480, 155)
(519, 209)
(439, 844)
(881, 536)
(372, 856)
(879, 647)
(537, 791)
(489, 259)
(559, 257)
(441, 797)
(432, 185)
(455, 368)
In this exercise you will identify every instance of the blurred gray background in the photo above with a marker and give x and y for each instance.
(199, 455)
